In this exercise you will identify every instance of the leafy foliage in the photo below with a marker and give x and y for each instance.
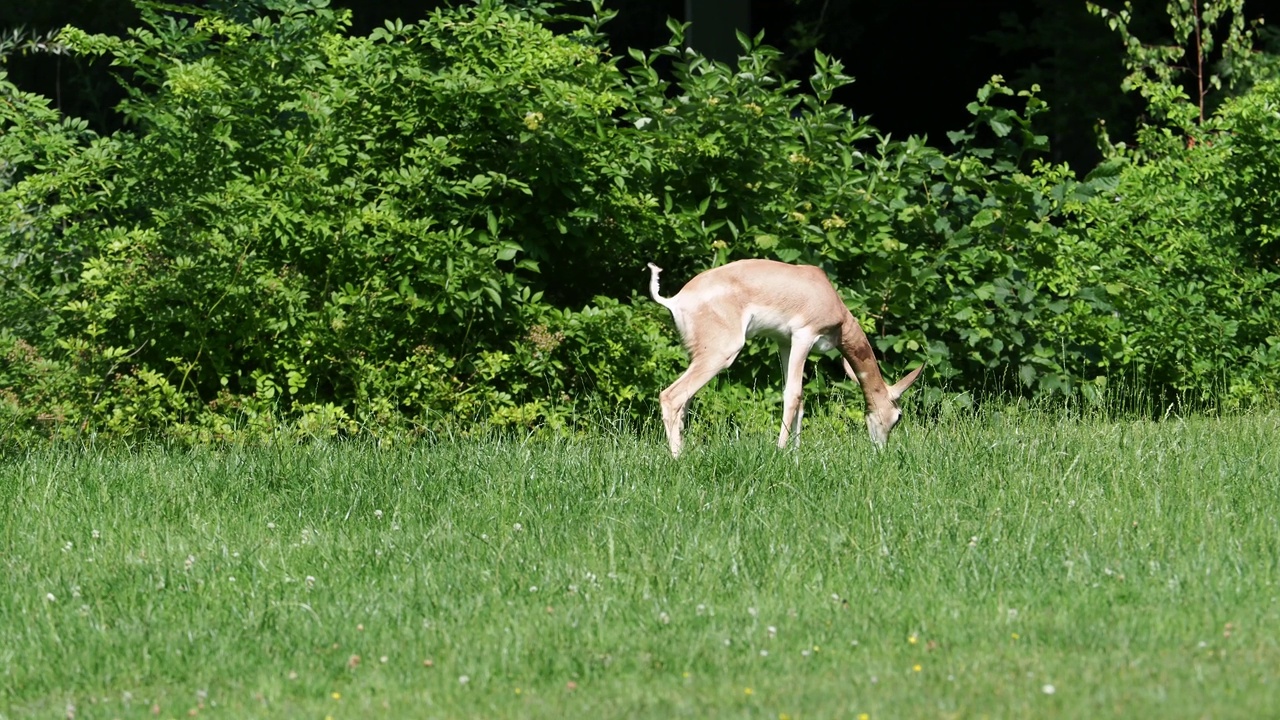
(1157, 71)
(443, 224)
(1179, 239)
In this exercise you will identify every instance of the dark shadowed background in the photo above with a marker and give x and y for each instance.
(917, 63)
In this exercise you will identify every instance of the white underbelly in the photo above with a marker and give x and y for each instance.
(780, 327)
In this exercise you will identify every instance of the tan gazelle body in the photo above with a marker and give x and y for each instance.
(795, 305)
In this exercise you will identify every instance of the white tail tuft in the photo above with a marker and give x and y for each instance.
(654, 271)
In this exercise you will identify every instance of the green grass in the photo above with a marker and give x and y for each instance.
(1131, 566)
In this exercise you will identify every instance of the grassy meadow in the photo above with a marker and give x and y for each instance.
(1011, 564)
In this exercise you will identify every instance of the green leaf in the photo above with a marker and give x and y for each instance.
(508, 251)
(1026, 374)
(985, 217)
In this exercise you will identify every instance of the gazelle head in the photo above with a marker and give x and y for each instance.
(884, 414)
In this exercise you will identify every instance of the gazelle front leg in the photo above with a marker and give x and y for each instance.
(793, 355)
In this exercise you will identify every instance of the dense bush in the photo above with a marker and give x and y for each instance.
(446, 223)
(1180, 255)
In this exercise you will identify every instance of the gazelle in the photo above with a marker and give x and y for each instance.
(796, 305)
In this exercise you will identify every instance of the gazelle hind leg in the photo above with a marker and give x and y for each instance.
(675, 399)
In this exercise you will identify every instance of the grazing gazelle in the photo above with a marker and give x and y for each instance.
(794, 304)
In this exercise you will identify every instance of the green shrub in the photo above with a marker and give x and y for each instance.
(1178, 252)
(444, 225)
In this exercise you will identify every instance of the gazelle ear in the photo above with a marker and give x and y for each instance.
(896, 389)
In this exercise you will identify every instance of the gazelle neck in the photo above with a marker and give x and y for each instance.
(856, 348)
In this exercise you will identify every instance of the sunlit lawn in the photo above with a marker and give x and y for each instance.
(1013, 565)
